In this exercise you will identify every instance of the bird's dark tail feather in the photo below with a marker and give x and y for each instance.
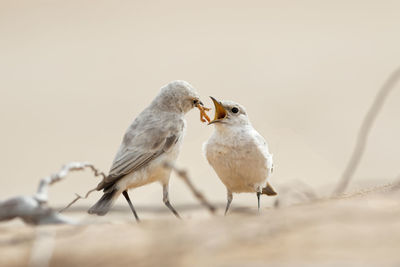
(269, 190)
(104, 204)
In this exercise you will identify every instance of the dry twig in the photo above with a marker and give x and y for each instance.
(365, 129)
(96, 173)
(34, 209)
(77, 198)
(185, 177)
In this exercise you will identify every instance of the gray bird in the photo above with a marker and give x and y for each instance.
(153, 138)
(238, 153)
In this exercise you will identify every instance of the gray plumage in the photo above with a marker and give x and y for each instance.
(153, 138)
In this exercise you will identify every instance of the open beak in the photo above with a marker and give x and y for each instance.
(220, 112)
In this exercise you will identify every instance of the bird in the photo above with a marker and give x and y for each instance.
(153, 139)
(238, 153)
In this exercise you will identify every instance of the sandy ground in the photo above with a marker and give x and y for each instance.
(361, 229)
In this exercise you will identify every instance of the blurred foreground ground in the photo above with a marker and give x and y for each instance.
(362, 229)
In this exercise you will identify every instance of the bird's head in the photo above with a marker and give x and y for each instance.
(229, 113)
(178, 96)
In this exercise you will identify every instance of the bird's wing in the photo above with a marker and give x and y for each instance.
(263, 146)
(140, 146)
(137, 157)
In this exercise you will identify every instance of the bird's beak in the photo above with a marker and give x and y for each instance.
(220, 112)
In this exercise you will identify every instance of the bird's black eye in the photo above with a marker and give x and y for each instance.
(195, 101)
(235, 110)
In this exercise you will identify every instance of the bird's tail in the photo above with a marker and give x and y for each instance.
(269, 190)
(104, 204)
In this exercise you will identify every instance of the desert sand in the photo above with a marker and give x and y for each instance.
(357, 230)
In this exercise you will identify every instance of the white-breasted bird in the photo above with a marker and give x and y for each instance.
(238, 153)
(152, 139)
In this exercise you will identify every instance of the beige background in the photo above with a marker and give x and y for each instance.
(74, 74)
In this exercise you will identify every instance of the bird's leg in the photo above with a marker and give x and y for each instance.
(125, 193)
(166, 201)
(229, 197)
(258, 200)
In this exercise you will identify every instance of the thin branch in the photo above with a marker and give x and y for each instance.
(77, 198)
(185, 177)
(96, 173)
(41, 194)
(364, 131)
(34, 209)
